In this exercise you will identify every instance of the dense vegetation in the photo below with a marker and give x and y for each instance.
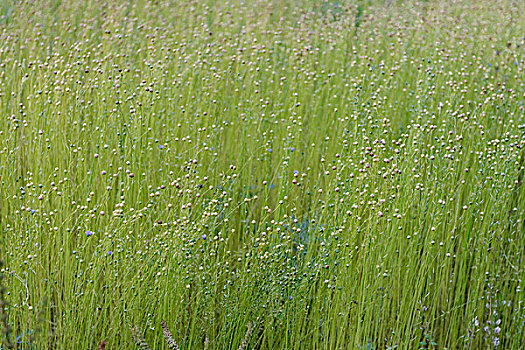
(292, 174)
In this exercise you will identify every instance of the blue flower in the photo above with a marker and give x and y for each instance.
(89, 233)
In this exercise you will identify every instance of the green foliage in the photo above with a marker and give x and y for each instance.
(262, 174)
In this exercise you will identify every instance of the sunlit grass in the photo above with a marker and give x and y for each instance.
(263, 174)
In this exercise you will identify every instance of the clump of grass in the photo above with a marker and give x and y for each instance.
(206, 343)
(339, 175)
(139, 339)
(4, 317)
(168, 337)
(246, 339)
(172, 344)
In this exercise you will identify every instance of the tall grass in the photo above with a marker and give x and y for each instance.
(263, 174)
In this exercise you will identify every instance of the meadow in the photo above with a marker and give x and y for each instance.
(262, 174)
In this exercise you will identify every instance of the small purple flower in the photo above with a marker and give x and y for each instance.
(33, 211)
(296, 172)
(89, 233)
(161, 146)
(291, 297)
(292, 149)
(270, 150)
(110, 252)
(203, 236)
